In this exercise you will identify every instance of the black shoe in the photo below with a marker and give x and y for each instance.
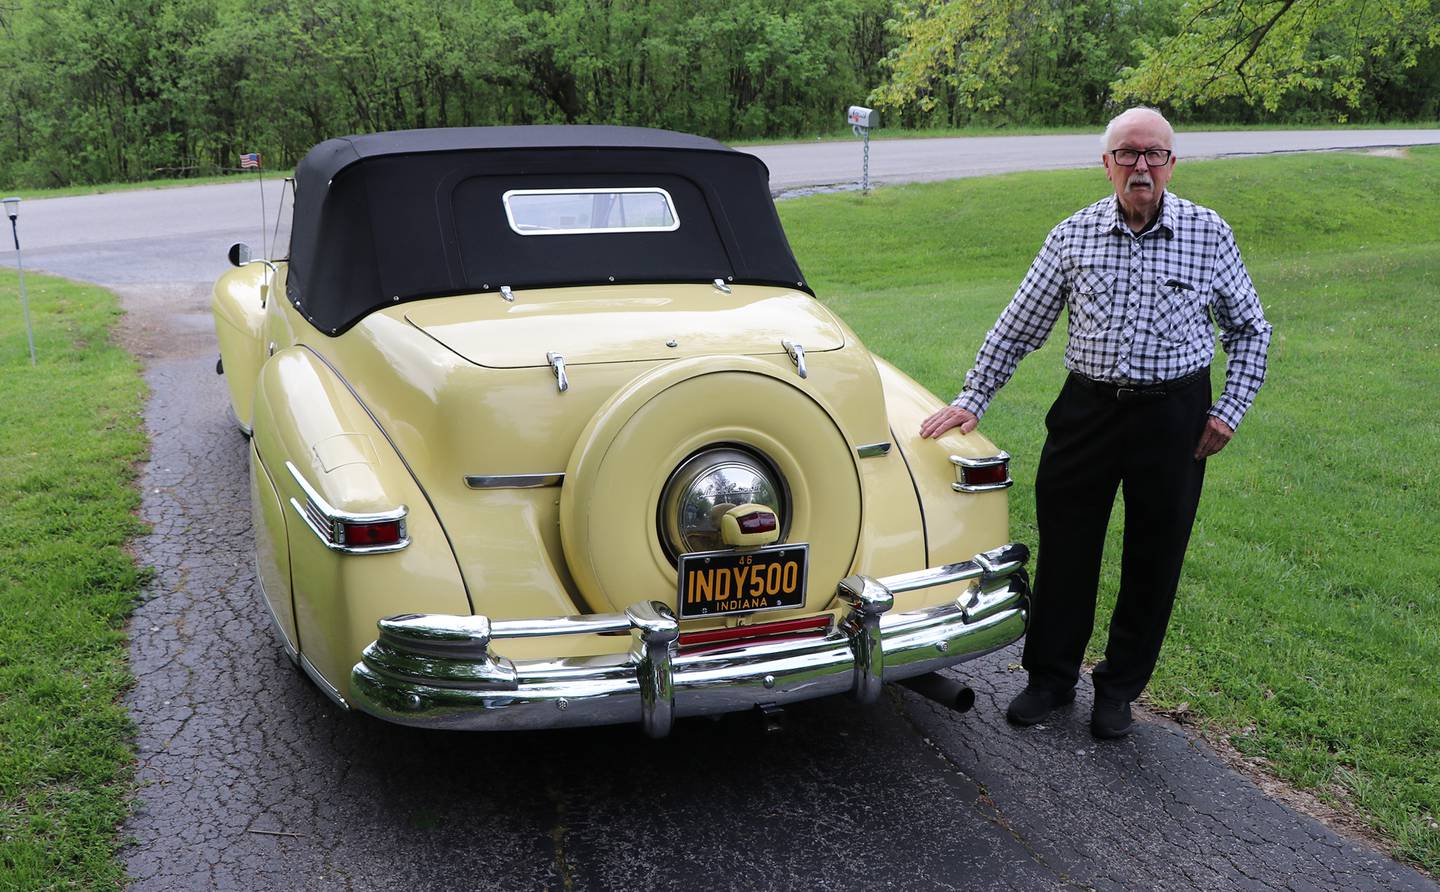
(1031, 705)
(1111, 718)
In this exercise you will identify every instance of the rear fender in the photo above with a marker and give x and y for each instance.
(957, 525)
(309, 427)
(238, 304)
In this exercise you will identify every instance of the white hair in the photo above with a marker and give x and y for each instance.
(1119, 119)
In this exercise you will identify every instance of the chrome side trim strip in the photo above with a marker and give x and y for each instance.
(961, 463)
(328, 522)
(513, 481)
(244, 428)
(873, 450)
(329, 689)
(291, 650)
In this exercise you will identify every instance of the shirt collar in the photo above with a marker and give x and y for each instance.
(1115, 219)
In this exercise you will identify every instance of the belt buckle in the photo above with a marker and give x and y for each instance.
(1125, 394)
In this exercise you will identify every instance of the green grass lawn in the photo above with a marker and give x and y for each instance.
(1308, 623)
(70, 433)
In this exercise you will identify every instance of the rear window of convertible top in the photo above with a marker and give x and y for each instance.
(590, 211)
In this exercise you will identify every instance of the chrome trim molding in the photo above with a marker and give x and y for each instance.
(506, 293)
(961, 463)
(439, 671)
(244, 428)
(328, 522)
(291, 650)
(797, 356)
(513, 481)
(873, 450)
(721, 287)
(329, 689)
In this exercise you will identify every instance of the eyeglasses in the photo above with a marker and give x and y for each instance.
(1130, 157)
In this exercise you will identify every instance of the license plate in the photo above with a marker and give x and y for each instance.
(768, 578)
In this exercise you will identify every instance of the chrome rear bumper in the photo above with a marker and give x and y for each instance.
(438, 671)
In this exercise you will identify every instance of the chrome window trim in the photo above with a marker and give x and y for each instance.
(615, 190)
(873, 450)
(961, 463)
(513, 481)
(327, 522)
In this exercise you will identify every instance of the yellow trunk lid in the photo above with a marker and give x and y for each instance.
(622, 323)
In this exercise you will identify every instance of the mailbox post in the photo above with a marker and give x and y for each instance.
(12, 210)
(862, 121)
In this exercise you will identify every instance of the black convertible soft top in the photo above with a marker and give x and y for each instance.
(391, 217)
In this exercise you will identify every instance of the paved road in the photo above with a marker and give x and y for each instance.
(919, 160)
(251, 779)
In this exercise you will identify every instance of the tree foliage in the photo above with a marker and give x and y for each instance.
(1349, 55)
(1013, 61)
(1074, 61)
(95, 90)
(124, 89)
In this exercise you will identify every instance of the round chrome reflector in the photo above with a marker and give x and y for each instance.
(705, 486)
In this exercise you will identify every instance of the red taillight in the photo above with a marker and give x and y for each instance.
(361, 535)
(988, 475)
(757, 522)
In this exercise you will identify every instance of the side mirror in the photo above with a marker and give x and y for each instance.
(239, 254)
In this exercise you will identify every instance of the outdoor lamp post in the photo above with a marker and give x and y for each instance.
(12, 209)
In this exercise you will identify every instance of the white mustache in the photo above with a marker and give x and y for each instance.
(1141, 180)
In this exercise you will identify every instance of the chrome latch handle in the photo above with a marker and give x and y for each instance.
(557, 365)
(797, 356)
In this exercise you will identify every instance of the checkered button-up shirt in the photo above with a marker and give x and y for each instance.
(1140, 306)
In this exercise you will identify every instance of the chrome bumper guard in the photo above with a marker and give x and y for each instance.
(437, 671)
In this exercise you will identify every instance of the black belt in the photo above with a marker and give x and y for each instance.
(1126, 393)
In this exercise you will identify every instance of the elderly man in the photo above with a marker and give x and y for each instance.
(1142, 273)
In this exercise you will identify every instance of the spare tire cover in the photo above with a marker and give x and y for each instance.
(613, 483)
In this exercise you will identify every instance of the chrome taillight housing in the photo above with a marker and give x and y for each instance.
(981, 474)
(348, 532)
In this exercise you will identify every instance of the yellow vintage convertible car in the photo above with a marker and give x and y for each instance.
(548, 429)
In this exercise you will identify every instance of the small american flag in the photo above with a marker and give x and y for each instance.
(250, 161)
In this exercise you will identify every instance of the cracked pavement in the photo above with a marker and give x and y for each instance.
(249, 778)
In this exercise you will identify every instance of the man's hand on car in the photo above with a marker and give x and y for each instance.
(946, 418)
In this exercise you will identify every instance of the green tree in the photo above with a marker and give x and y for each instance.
(1050, 62)
(1272, 53)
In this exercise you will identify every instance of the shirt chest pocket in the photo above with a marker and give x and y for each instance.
(1091, 302)
(1179, 310)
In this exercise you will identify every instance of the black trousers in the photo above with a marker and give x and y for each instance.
(1097, 443)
